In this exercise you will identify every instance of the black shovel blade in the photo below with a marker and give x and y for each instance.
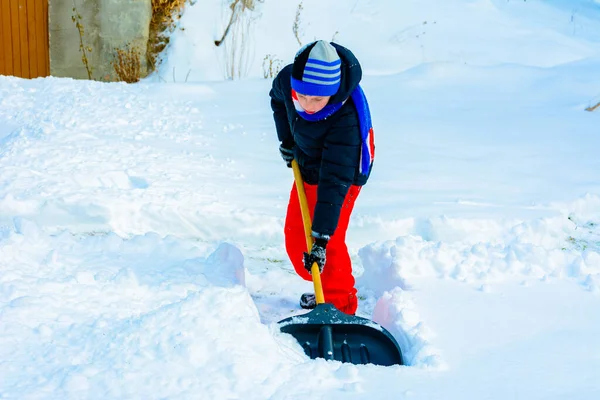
(328, 333)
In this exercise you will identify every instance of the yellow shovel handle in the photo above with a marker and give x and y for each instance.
(316, 275)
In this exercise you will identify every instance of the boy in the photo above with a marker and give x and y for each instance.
(322, 120)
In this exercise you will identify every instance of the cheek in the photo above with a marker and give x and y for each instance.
(320, 105)
(312, 105)
(303, 103)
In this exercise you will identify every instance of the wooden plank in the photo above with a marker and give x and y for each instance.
(2, 49)
(32, 26)
(41, 42)
(7, 46)
(14, 18)
(44, 36)
(23, 39)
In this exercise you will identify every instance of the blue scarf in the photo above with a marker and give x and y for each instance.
(367, 151)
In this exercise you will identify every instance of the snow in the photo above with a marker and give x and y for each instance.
(141, 226)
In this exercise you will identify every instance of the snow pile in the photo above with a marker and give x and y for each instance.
(398, 314)
(547, 248)
(139, 160)
(95, 311)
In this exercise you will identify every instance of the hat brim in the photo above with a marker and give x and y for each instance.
(313, 89)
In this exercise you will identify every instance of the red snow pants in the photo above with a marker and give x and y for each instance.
(337, 279)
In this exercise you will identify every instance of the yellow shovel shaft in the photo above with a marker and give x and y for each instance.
(316, 275)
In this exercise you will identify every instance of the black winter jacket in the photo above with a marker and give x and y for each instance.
(327, 151)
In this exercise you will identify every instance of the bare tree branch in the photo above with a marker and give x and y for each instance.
(593, 107)
(231, 20)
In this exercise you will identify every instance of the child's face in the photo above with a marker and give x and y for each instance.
(313, 104)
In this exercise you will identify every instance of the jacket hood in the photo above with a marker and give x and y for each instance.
(351, 74)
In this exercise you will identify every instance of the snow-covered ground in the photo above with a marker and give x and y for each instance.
(141, 226)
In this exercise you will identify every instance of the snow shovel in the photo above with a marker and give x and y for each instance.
(325, 332)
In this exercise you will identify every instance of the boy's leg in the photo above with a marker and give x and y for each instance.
(338, 282)
(337, 279)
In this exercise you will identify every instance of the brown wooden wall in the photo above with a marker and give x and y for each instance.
(24, 47)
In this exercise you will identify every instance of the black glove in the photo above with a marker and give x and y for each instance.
(317, 255)
(287, 153)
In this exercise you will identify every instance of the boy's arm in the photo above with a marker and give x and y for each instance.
(339, 163)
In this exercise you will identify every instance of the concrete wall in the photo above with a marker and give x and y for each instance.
(108, 25)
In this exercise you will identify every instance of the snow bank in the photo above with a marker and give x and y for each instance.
(140, 317)
(548, 249)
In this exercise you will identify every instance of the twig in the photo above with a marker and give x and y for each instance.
(76, 18)
(231, 19)
(296, 26)
(593, 107)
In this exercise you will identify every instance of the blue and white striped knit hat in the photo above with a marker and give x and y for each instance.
(316, 70)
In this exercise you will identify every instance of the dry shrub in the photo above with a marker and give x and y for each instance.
(271, 66)
(127, 64)
(164, 14)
